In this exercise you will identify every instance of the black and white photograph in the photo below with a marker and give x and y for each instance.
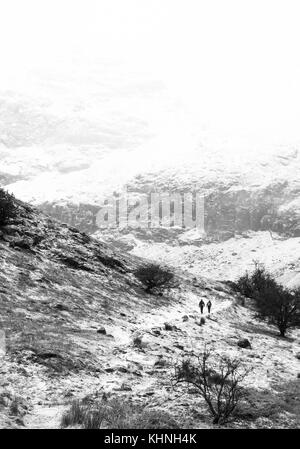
(150, 218)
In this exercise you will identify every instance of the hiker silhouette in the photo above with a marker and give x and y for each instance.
(209, 306)
(201, 305)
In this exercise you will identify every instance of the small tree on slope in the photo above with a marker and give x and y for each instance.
(274, 303)
(280, 307)
(219, 383)
(153, 276)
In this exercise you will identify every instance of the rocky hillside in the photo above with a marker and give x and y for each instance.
(235, 202)
(230, 259)
(78, 323)
(68, 160)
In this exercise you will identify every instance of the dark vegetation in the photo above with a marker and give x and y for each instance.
(274, 303)
(7, 207)
(154, 276)
(271, 404)
(217, 382)
(111, 262)
(115, 414)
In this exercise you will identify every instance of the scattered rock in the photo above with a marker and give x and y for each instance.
(170, 327)
(185, 318)
(298, 355)
(125, 387)
(149, 393)
(137, 373)
(161, 362)
(244, 343)
(101, 330)
(122, 369)
(137, 341)
(110, 336)
(252, 355)
(61, 307)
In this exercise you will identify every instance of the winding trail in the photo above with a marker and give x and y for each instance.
(49, 416)
(43, 417)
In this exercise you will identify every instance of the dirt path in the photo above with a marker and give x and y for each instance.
(44, 417)
(175, 312)
(49, 416)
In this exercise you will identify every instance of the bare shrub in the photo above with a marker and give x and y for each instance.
(219, 383)
(274, 303)
(154, 276)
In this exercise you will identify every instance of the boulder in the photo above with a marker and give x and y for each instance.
(244, 343)
(22, 243)
(101, 330)
(125, 387)
(169, 327)
(160, 362)
(61, 307)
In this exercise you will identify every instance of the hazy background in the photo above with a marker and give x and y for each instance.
(235, 64)
(174, 79)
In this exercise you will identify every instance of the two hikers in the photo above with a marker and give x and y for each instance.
(202, 304)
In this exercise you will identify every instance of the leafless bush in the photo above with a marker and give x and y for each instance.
(219, 383)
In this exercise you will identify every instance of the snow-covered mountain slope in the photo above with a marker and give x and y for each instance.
(231, 259)
(79, 140)
(67, 149)
(71, 310)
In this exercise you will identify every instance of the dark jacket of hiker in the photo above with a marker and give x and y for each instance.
(201, 305)
(209, 306)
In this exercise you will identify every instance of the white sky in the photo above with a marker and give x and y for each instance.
(235, 64)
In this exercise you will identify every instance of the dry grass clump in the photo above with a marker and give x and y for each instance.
(115, 413)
